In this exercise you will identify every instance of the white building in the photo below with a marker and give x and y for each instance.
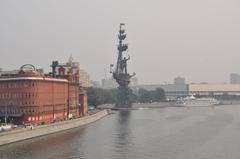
(214, 89)
(234, 78)
(179, 81)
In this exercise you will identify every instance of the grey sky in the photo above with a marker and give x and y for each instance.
(197, 39)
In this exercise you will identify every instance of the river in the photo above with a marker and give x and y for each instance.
(164, 133)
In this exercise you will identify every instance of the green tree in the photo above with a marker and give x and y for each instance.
(98, 96)
(159, 95)
(144, 96)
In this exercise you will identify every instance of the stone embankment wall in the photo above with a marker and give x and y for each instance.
(230, 102)
(140, 105)
(27, 133)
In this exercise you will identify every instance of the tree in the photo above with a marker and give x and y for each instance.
(145, 96)
(159, 95)
(98, 96)
(94, 96)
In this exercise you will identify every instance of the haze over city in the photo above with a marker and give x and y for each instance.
(198, 40)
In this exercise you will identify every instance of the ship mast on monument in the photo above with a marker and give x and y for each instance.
(120, 72)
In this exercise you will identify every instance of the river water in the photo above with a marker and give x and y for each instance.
(166, 133)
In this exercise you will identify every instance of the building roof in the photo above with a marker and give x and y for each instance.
(33, 78)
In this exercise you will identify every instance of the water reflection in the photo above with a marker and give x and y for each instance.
(124, 117)
(37, 147)
(123, 137)
(147, 134)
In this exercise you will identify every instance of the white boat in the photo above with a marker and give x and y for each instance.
(192, 101)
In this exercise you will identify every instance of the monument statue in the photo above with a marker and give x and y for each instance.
(120, 72)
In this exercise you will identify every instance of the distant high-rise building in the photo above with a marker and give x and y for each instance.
(109, 83)
(234, 78)
(85, 79)
(179, 80)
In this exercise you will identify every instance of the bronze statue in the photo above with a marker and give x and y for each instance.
(123, 64)
(120, 74)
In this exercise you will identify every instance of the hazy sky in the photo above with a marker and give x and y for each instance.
(196, 39)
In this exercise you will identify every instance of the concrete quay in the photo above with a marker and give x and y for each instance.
(28, 133)
(136, 106)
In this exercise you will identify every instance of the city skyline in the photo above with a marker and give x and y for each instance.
(165, 41)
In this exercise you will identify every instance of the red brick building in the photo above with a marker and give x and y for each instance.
(31, 98)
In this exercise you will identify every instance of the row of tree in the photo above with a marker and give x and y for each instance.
(145, 96)
(98, 96)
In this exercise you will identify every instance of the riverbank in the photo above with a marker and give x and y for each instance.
(140, 105)
(163, 104)
(32, 132)
(154, 133)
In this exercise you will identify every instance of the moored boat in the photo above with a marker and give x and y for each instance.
(193, 101)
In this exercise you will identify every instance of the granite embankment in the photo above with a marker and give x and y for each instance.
(163, 104)
(140, 105)
(27, 133)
